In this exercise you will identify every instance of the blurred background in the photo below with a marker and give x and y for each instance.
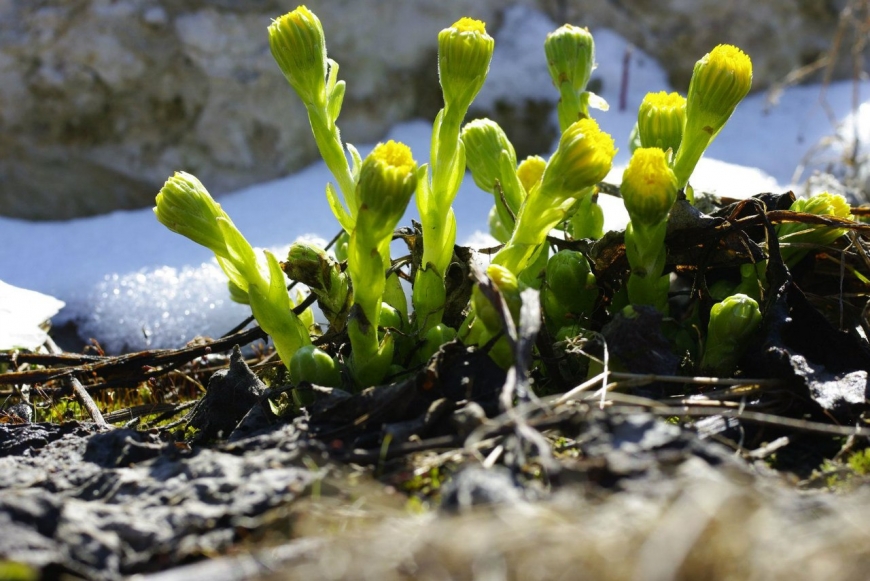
(101, 100)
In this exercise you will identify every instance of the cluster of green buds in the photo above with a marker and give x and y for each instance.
(732, 323)
(185, 207)
(364, 297)
(797, 238)
(649, 190)
(670, 137)
(464, 54)
(388, 178)
(583, 158)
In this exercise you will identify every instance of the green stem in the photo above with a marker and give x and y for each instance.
(645, 249)
(328, 140)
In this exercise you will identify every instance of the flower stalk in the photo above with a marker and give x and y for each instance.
(185, 207)
(464, 54)
(297, 43)
(388, 177)
(720, 80)
(649, 190)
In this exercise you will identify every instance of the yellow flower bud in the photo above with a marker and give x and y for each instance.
(660, 120)
(484, 143)
(298, 45)
(822, 204)
(583, 158)
(570, 54)
(185, 207)
(530, 171)
(387, 180)
(464, 53)
(719, 82)
(649, 187)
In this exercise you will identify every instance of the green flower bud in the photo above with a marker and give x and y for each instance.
(571, 283)
(464, 53)
(507, 285)
(185, 207)
(570, 54)
(732, 323)
(649, 187)
(433, 340)
(313, 267)
(314, 366)
(484, 143)
(583, 158)
(387, 180)
(389, 317)
(298, 45)
(530, 171)
(824, 204)
(571, 57)
(310, 265)
(660, 120)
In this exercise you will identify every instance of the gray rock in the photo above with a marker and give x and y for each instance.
(84, 505)
(231, 394)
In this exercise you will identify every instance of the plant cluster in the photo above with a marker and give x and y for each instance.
(536, 203)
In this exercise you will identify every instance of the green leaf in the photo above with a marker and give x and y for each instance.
(457, 173)
(338, 209)
(331, 76)
(436, 131)
(356, 161)
(334, 101)
(424, 190)
(510, 182)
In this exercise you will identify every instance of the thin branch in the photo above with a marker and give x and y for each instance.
(79, 391)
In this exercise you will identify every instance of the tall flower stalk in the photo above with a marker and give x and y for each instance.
(464, 54)
(720, 80)
(299, 47)
(388, 178)
(649, 190)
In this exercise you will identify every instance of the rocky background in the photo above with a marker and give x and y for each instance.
(101, 100)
